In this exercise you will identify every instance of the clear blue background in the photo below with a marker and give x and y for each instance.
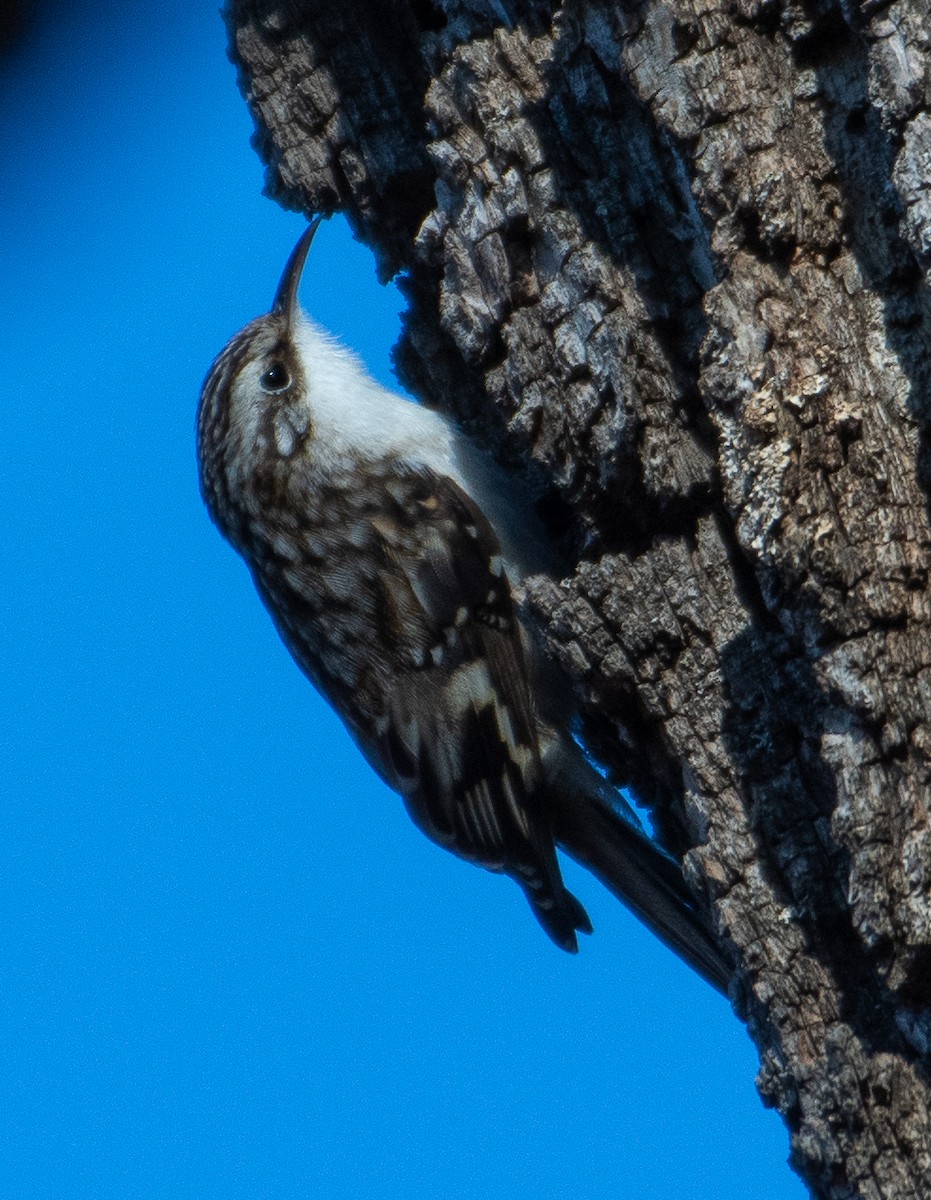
(230, 966)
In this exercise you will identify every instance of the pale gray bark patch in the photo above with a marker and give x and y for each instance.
(671, 260)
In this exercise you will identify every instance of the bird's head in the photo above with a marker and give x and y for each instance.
(254, 411)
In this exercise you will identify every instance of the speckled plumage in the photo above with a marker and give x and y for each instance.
(387, 550)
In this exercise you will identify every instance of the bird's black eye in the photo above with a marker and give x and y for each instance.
(276, 378)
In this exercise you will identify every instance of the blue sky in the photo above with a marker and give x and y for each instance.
(231, 966)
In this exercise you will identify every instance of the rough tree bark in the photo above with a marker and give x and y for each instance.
(670, 259)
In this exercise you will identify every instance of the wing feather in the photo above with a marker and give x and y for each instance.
(461, 729)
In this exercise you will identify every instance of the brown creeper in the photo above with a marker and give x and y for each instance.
(386, 547)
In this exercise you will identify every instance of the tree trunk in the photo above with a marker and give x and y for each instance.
(670, 259)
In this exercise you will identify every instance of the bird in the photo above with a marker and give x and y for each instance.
(390, 550)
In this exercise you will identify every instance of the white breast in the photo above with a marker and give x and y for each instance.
(356, 420)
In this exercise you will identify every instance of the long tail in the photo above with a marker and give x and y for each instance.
(588, 827)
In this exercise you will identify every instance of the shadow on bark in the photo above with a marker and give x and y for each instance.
(864, 152)
(772, 725)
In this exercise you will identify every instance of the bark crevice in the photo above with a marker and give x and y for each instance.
(670, 261)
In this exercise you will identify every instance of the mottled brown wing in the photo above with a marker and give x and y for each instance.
(459, 731)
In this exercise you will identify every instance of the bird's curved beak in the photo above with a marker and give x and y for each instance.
(285, 301)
